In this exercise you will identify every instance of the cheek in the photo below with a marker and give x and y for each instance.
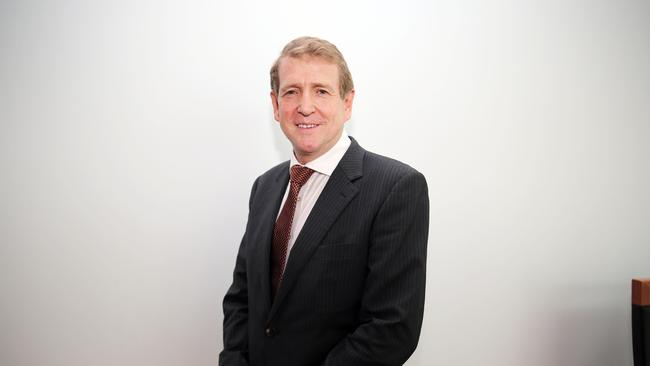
(335, 114)
(286, 110)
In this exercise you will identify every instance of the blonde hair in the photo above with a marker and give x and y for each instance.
(314, 47)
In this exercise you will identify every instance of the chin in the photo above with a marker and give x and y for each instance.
(305, 152)
(306, 145)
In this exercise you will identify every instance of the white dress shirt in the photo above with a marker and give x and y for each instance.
(323, 166)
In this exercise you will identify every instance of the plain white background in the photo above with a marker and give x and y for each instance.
(131, 131)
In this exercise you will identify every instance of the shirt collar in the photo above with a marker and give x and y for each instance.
(326, 163)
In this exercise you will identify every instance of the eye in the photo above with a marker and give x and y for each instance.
(290, 92)
(322, 92)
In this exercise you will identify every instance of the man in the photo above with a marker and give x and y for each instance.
(331, 268)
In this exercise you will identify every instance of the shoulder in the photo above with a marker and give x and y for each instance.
(361, 163)
(374, 161)
(272, 176)
(380, 177)
(275, 173)
(380, 167)
(396, 186)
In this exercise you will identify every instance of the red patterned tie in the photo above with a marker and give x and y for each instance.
(299, 175)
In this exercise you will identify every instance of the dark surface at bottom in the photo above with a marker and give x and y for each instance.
(641, 335)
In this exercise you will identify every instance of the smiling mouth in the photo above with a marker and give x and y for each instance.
(306, 125)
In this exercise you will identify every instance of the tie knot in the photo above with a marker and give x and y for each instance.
(300, 174)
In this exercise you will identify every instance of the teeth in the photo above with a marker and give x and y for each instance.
(304, 125)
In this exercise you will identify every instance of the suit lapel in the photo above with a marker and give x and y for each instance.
(261, 251)
(338, 192)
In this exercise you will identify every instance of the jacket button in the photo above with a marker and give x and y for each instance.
(269, 332)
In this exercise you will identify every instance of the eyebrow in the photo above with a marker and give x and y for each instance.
(315, 85)
(320, 85)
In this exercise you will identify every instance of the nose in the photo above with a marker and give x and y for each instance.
(306, 106)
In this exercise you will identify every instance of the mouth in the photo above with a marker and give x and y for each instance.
(306, 126)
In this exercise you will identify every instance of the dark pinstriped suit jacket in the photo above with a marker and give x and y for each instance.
(353, 288)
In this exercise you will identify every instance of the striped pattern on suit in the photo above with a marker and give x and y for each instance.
(353, 287)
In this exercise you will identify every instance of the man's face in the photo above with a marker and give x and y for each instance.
(309, 107)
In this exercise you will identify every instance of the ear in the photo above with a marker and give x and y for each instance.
(347, 101)
(276, 107)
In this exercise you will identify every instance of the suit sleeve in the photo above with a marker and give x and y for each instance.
(393, 300)
(235, 308)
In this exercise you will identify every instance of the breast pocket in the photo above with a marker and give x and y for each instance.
(339, 251)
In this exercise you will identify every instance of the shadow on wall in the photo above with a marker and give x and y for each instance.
(587, 332)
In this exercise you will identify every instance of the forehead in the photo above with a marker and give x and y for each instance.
(307, 69)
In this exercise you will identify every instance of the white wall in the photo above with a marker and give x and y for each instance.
(130, 132)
